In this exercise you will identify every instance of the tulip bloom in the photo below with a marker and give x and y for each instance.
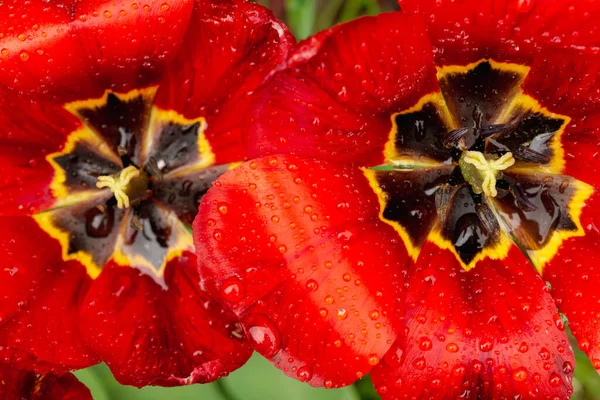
(424, 199)
(116, 117)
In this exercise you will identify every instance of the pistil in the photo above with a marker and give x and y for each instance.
(481, 172)
(122, 185)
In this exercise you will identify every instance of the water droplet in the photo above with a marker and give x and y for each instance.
(329, 299)
(519, 374)
(425, 344)
(452, 347)
(264, 336)
(342, 313)
(304, 374)
(523, 347)
(459, 370)
(555, 379)
(165, 7)
(24, 56)
(419, 363)
(393, 357)
(99, 223)
(312, 285)
(222, 207)
(374, 315)
(486, 345)
(232, 289)
(373, 359)
(567, 367)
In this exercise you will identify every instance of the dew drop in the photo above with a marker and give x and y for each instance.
(519, 374)
(264, 336)
(374, 315)
(555, 379)
(232, 289)
(342, 314)
(459, 370)
(452, 347)
(486, 345)
(523, 347)
(393, 357)
(374, 359)
(312, 285)
(425, 344)
(419, 363)
(99, 224)
(222, 207)
(304, 374)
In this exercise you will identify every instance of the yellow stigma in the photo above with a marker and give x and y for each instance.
(119, 184)
(481, 172)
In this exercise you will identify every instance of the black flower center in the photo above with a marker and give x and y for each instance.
(128, 182)
(478, 165)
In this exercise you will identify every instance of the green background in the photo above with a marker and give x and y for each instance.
(259, 380)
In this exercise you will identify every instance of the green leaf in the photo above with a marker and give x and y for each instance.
(259, 380)
(301, 17)
(586, 384)
(104, 387)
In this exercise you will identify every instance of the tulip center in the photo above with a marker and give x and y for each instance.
(479, 165)
(481, 171)
(130, 185)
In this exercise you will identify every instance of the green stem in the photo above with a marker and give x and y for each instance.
(223, 390)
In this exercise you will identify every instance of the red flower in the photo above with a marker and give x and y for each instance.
(417, 190)
(116, 116)
(24, 385)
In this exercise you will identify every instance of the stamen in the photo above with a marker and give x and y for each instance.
(452, 138)
(483, 177)
(119, 185)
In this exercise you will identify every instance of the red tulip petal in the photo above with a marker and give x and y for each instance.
(153, 335)
(16, 384)
(78, 50)
(577, 95)
(492, 332)
(574, 274)
(41, 296)
(338, 91)
(30, 131)
(564, 81)
(229, 49)
(296, 249)
(465, 31)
